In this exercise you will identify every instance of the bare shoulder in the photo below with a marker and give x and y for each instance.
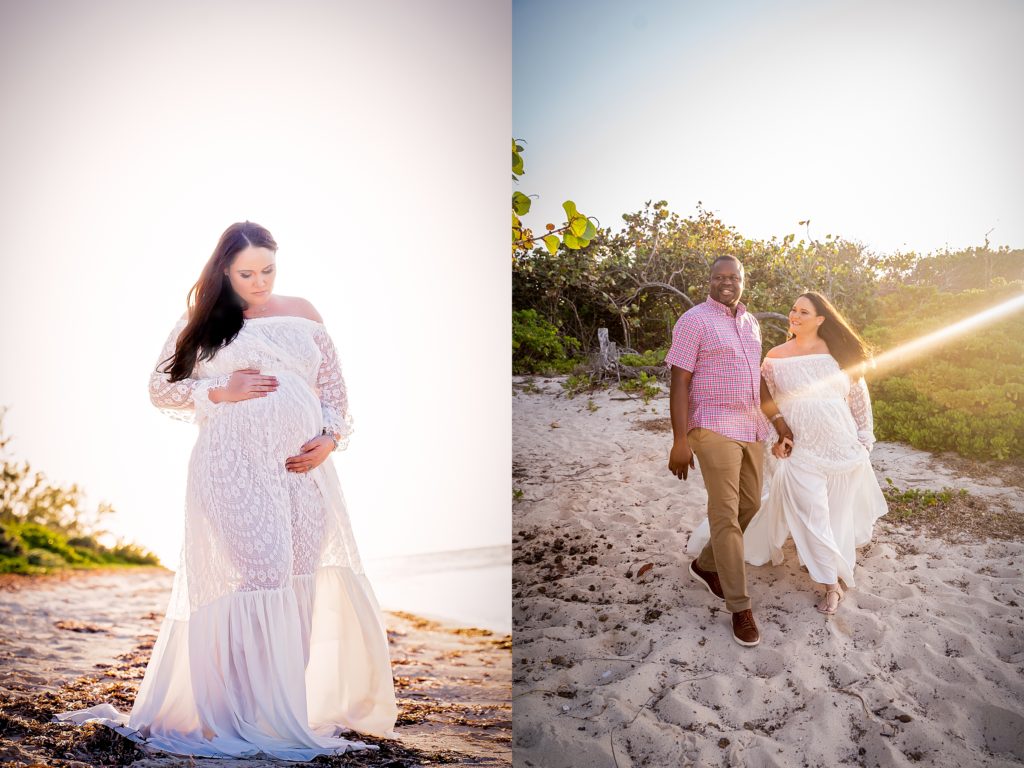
(782, 350)
(296, 305)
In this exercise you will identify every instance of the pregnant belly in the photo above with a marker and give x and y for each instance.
(823, 431)
(277, 424)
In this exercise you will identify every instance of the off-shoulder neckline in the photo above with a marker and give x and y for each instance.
(281, 317)
(797, 357)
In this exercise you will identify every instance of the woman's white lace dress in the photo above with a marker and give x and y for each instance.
(273, 641)
(825, 494)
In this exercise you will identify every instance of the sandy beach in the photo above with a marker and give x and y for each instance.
(78, 639)
(619, 664)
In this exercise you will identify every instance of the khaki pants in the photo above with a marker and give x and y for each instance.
(732, 475)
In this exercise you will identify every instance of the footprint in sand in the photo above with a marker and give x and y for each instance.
(768, 664)
(870, 602)
(897, 592)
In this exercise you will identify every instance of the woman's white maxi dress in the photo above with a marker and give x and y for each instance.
(825, 494)
(273, 641)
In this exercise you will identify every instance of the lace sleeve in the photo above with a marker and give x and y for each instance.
(331, 386)
(768, 374)
(860, 407)
(185, 400)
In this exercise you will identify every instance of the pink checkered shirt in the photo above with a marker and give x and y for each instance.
(724, 354)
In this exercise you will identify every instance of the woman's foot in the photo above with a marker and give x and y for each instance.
(833, 595)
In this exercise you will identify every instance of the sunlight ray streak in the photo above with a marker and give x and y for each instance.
(915, 347)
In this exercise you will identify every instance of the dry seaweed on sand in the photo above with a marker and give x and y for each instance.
(28, 737)
(953, 515)
(654, 425)
(1009, 472)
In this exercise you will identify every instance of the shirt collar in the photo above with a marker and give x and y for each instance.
(719, 307)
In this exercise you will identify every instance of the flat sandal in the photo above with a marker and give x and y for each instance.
(826, 610)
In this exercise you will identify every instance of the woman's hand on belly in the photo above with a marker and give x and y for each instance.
(244, 384)
(313, 453)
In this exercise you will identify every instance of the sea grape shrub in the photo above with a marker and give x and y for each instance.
(964, 394)
(538, 347)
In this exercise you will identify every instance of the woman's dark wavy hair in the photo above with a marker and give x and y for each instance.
(844, 344)
(214, 309)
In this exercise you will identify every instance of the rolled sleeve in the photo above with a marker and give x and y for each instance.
(686, 342)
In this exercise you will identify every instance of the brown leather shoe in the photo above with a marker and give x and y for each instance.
(709, 579)
(744, 630)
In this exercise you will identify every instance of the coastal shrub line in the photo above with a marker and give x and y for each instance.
(44, 527)
(30, 548)
(964, 394)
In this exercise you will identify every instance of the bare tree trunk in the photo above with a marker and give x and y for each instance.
(608, 350)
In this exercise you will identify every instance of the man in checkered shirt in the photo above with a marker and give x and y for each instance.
(719, 406)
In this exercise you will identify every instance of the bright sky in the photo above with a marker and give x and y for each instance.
(370, 139)
(898, 124)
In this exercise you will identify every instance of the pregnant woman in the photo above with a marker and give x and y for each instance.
(824, 493)
(273, 642)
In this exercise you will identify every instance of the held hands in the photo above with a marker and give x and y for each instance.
(783, 448)
(680, 460)
(244, 384)
(313, 453)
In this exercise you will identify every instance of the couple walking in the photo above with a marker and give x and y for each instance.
(808, 401)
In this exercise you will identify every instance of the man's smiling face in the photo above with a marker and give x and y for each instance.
(726, 284)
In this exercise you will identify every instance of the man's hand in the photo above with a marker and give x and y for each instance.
(783, 448)
(785, 433)
(680, 460)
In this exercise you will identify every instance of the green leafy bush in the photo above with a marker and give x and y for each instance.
(965, 394)
(34, 548)
(134, 554)
(581, 382)
(44, 558)
(44, 526)
(647, 359)
(36, 537)
(18, 565)
(538, 347)
(10, 544)
(647, 385)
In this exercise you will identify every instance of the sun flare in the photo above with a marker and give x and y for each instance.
(909, 350)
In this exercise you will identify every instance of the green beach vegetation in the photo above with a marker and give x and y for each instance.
(964, 394)
(44, 526)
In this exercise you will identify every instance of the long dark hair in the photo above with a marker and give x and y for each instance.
(844, 344)
(214, 309)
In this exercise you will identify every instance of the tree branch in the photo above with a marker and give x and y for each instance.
(772, 316)
(665, 287)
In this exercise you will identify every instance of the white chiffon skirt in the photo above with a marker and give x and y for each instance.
(241, 678)
(828, 514)
(281, 670)
(281, 673)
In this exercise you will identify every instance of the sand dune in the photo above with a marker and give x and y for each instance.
(618, 667)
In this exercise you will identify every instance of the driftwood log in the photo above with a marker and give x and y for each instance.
(607, 361)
